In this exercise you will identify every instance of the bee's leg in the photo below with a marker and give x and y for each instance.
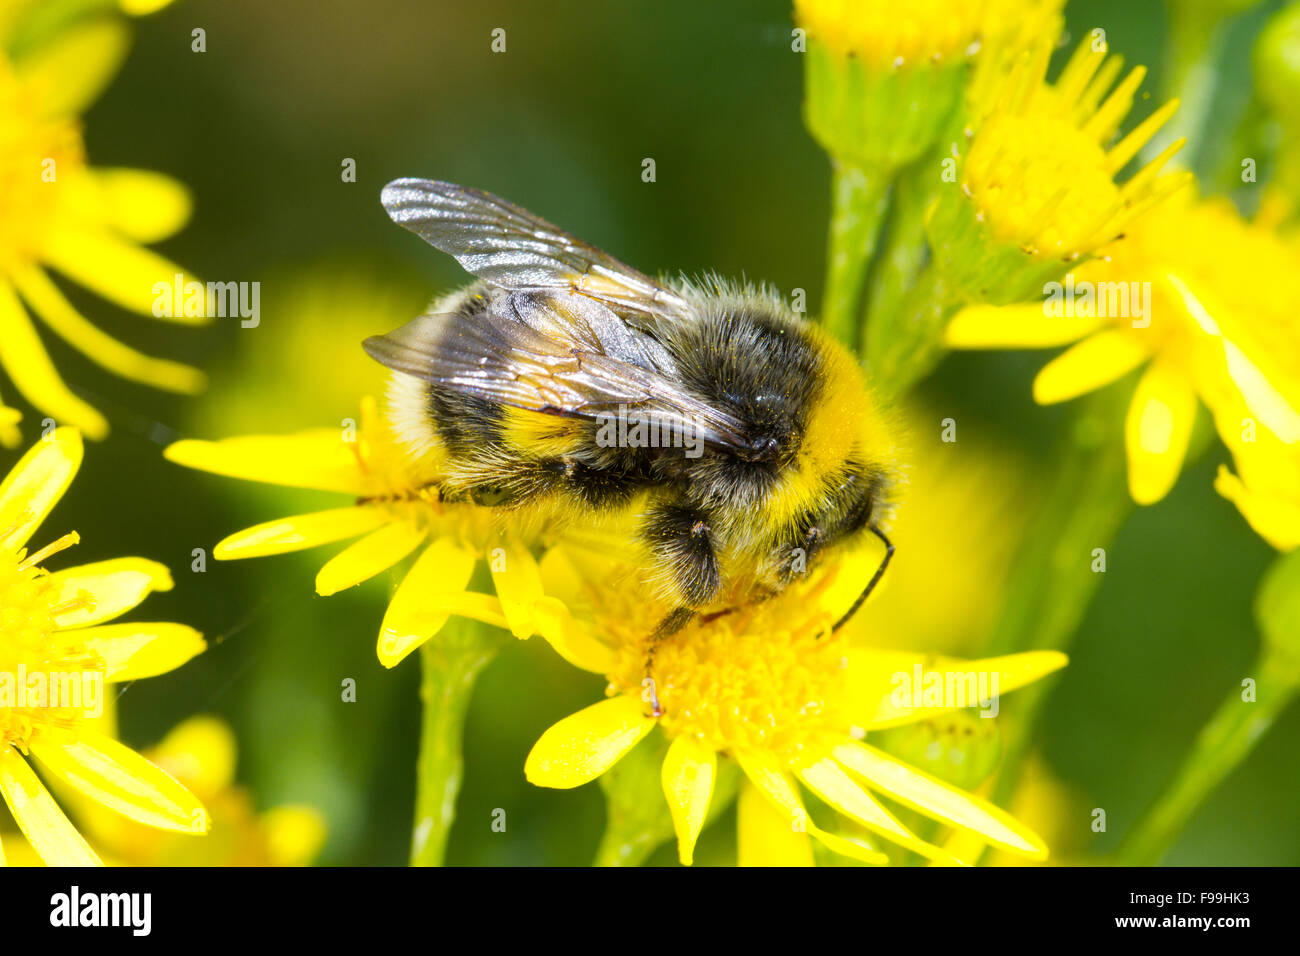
(669, 626)
(681, 540)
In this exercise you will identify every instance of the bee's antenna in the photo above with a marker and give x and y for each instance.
(875, 579)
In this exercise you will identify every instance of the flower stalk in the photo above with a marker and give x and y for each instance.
(859, 201)
(449, 663)
(1239, 723)
(1223, 743)
(1054, 573)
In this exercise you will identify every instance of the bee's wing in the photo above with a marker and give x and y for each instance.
(512, 249)
(562, 355)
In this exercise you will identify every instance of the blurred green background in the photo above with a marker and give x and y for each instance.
(259, 125)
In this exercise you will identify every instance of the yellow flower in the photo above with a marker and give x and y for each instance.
(968, 503)
(54, 633)
(1200, 297)
(1036, 187)
(1266, 485)
(769, 686)
(887, 35)
(200, 753)
(885, 79)
(395, 511)
(87, 224)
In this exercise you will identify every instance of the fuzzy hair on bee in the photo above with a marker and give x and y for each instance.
(745, 441)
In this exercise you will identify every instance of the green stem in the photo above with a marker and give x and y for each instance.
(859, 201)
(1195, 43)
(636, 816)
(903, 254)
(449, 663)
(903, 349)
(1087, 503)
(626, 845)
(1223, 743)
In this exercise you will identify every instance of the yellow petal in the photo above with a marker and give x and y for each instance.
(300, 532)
(24, 357)
(584, 745)
(1159, 426)
(67, 72)
(775, 784)
(688, 774)
(294, 834)
(95, 593)
(133, 651)
(318, 459)
(1275, 518)
(878, 685)
(104, 350)
(119, 778)
(1096, 361)
(764, 835)
(142, 205)
(939, 800)
(518, 583)
(573, 639)
(46, 827)
(199, 752)
(373, 554)
(470, 604)
(121, 271)
(1013, 327)
(10, 436)
(413, 615)
(36, 484)
(829, 781)
(139, 8)
(1264, 400)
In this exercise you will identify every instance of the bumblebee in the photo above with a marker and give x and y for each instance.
(746, 439)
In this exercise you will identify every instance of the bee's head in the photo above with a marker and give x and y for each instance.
(846, 442)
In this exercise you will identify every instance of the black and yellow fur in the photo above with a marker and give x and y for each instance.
(503, 383)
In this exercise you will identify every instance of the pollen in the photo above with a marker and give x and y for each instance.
(768, 676)
(31, 645)
(1041, 170)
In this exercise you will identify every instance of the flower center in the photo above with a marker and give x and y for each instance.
(1040, 182)
(769, 675)
(39, 664)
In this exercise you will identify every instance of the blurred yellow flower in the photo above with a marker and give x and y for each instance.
(1036, 186)
(770, 686)
(1203, 300)
(57, 652)
(968, 503)
(889, 35)
(200, 753)
(885, 80)
(87, 224)
(396, 510)
(1266, 485)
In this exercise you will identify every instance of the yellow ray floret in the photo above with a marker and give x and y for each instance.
(769, 686)
(58, 651)
(396, 511)
(57, 213)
